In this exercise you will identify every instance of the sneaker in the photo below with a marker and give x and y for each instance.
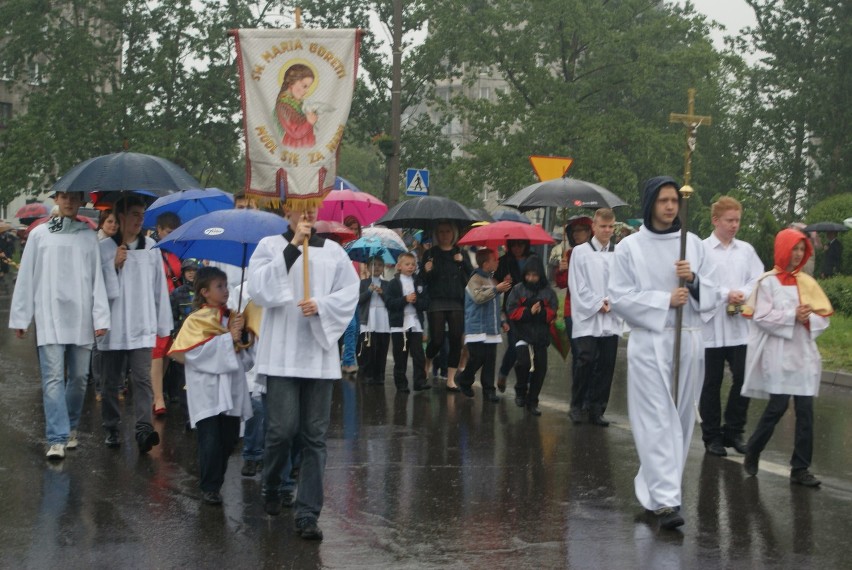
(56, 451)
(598, 421)
(272, 505)
(804, 477)
(576, 416)
(72, 442)
(307, 528)
(715, 448)
(492, 397)
(750, 462)
(287, 499)
(112, 439)
(249, 468)
(669, 517)
(211, 498)
(520, 401)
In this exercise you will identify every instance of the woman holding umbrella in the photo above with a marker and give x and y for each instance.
(446, 272)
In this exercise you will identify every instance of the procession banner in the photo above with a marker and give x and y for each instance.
(296, 88)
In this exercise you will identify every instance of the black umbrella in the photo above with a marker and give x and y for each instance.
(425, 211)
(481, 215)
(125, 171)
(826, 227)
(564, 193)
(508, 215)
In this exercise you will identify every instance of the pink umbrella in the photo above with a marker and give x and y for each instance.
(34, 210)
(339, 204)
(91, 223)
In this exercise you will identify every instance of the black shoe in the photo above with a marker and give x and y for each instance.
(308, 529)
(421, 387)
(250, 468)
(501, 383)
(112, 439)
(466, 390)
(287, 499)
(735, 441)
(599, 421)
(211, 498)
(453, 388)
(669, 517)
(403, 389)
(750, 462)
(715, 448)
(804, 477)
(492, 397)
(520, 401)
(534, 410)
(147, 440)
(576, 416)
(272, 505)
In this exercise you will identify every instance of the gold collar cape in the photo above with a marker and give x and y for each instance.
(203, 325)
(810, 293)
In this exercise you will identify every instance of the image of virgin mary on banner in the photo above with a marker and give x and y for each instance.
(296, 88)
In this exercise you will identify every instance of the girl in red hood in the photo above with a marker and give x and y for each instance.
(788, 311)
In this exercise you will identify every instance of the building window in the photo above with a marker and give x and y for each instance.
(485, 93)
(34, 73)
(5, 114)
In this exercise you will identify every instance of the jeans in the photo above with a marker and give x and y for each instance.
(253, 436)
(710, 404)
(298, 408)
(350, 341)
(63, 403)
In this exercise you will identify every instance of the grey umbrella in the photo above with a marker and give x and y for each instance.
(563, 193)
(826, 227)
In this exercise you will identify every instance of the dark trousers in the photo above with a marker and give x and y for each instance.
(529, 382)
(710, 404)
(404, 345)
(373, 356)
(510, 356)
(454, 321)
(481, 355)
(804, 443)
(217, 437)
(592, 380)
(113, 367)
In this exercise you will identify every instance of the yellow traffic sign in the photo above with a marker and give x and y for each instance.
(550, 167)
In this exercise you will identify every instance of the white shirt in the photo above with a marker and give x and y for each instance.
(377, 313)
(410, 320)
(737, 269)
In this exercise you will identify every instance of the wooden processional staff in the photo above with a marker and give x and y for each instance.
(691, 121)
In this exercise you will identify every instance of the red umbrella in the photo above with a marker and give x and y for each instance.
(34, 210)
(91, 223)
(341, 203)
(335, 230)
(496, 234)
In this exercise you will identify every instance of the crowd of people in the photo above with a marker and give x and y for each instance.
(264, 353)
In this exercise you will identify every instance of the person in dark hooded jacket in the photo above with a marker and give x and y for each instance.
(510, 268)
(531, 309)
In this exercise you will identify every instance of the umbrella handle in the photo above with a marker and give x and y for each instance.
(306, 269)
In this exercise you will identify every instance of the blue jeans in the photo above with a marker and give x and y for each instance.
(297, 409)
(350, 342)
(63, 403)
(253, 436)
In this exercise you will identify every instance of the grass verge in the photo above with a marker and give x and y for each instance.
(835, 344)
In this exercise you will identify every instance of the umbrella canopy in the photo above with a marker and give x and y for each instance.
(34, 210)
(390, 238)
(188, 205)
(496, 234)
(341, 183)
(481, 215)
(90, 222)
(365, 248)
(339, 204)
(425, 211)
(5, 227)
(335, 230)
(826, 227)
(125, 171)
(508, 215)
(227, 236)
(564, 193)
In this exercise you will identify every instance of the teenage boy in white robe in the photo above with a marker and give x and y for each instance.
(61, 285)
(726, 334)
(297, 353)
(595, 328)
(141, 311)
(644, 291)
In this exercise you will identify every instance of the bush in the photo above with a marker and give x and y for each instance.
(839, 291)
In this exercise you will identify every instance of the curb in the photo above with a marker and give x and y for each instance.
(843, 379)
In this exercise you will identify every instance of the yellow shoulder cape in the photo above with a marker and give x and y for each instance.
(206, 323)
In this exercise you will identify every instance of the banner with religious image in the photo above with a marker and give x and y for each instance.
(296, 88)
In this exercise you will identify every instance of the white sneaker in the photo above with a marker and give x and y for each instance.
(72, 442)
(56, 451)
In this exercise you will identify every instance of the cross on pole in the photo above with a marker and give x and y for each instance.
(691, 121)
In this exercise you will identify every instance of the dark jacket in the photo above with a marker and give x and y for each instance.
(181, 299)
(366, 295)
(509, 265)
(395, 300)
(533, 329)
(448, 277)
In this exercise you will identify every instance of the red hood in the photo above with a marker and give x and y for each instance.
(785, 241)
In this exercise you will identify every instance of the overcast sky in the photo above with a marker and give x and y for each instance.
(733, 14)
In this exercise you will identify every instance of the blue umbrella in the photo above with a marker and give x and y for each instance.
(188, 205)
(343, 184)
(227, 236)
(510, 216)
(365, 248)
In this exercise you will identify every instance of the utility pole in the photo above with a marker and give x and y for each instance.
(396, 104)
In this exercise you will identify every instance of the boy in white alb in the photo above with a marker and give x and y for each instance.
(375, 328)
(61, 285)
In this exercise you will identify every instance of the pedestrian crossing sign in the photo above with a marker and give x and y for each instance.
(416, 182)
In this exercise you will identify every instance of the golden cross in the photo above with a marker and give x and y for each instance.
(691, 121)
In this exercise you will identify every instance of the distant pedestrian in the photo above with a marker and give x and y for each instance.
(789, 311)
(833, 256)
(60, 284)
(375, 334)
(407, 299)
(510, 268)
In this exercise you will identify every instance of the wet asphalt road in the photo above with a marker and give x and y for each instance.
(430, 480)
